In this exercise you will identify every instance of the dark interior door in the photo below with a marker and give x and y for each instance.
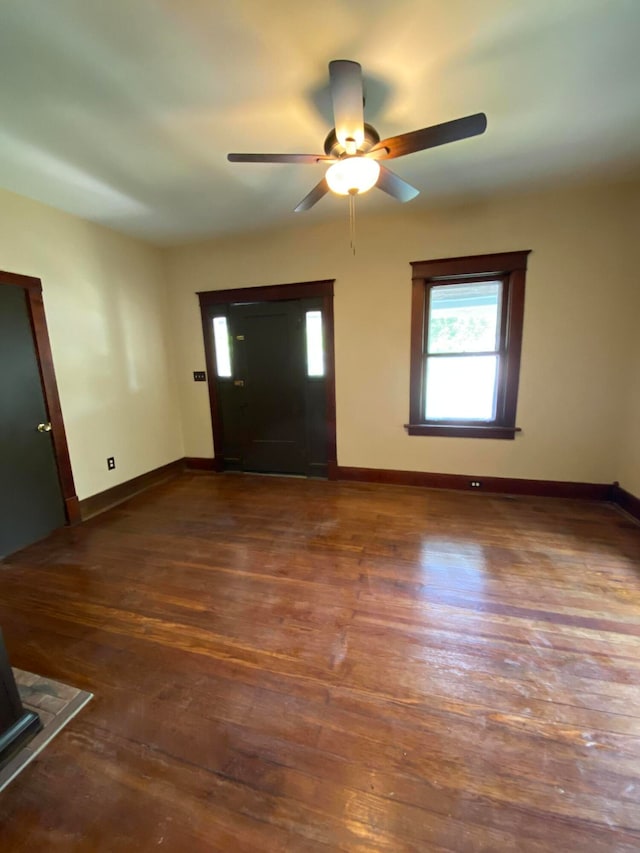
(31, 503)
(272, 407)
(268, 385)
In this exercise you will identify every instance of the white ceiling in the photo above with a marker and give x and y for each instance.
(123, 111)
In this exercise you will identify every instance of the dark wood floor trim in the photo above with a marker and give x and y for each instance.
(612, 492)
(110, 497)
(204, 463)
(497, 485)
(626, 501)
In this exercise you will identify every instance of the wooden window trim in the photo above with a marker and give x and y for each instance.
(510, 267)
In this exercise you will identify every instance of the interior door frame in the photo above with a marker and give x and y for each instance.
(33, 290)
(273, 293)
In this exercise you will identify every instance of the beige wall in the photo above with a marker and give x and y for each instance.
(629, 458)
(628, 472)
(108, 310)
(572, 378)
(105, 300)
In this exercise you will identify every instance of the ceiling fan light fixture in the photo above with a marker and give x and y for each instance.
(353, 175)
(354, 147)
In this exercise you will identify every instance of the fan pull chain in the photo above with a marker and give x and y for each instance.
(352, 221)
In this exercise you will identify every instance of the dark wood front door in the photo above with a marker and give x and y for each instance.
(31, 501)
(271, 400)
(267, 394)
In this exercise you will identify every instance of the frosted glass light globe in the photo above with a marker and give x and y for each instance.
(353, 175)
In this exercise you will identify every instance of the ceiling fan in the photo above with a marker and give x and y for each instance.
(354, 149)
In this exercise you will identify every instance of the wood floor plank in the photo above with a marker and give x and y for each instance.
(296, 665)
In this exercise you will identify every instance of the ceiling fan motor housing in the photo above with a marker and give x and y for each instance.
(333, 148)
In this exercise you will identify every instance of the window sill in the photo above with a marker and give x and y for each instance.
(458, 431)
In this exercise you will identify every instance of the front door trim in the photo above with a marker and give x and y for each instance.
(33, 289)
(271, 293)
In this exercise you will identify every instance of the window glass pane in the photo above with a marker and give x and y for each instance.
(462, 387)
(315, 352)
(221, 339)
(464, 317)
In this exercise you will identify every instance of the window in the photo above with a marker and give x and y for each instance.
(315, 350)
(466, 334)
(221, 342)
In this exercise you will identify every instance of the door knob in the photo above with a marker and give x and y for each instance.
(239, 383)
(44, 427)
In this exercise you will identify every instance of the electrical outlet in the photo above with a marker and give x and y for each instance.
(475, 484)
(199, 376)
(111, 463)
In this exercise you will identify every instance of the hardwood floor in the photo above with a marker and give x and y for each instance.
(293, 665)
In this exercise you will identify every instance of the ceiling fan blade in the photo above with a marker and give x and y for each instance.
(347, 97)
(430, 137)
(277, 158)
(320, 189)
(390, 183)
